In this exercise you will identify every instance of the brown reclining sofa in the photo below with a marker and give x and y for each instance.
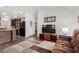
(67, 44)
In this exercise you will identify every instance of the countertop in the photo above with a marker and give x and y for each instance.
(9, 29)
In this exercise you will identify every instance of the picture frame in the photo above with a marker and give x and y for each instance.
(50, 19)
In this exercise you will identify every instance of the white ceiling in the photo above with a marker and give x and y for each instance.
(20, 10)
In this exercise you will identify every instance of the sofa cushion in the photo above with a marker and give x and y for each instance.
(65, 38)
(65, 43)
(75, 32)
(76, 48)
(61, 48)
(76, 44)
(74, 40)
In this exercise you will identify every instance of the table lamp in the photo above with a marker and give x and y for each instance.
(65, 30)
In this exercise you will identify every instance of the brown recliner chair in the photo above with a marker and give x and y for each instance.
(66, 44)
(74, 37)
(63, 45)
(75, 40)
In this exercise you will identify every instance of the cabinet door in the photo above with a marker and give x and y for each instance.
(47, 36)
(5, 36)
(41, 36)
(53, 38)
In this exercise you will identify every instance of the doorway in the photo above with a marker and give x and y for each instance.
(19, 25)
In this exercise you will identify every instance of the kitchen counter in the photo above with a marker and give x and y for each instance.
(7, 35)
(7, 29)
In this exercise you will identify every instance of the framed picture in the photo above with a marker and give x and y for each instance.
(50, 19)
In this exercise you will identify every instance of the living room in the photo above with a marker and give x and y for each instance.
(36, 29)
(39, 29)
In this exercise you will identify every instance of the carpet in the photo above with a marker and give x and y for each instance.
(39, 49)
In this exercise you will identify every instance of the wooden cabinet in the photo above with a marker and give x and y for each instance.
(53, 37)
(48, 37)
(7, 36)
(41, 36)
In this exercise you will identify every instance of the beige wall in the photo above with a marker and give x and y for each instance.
(30, 28)
(64, 18)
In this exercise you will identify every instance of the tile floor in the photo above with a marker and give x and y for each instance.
(24, 46)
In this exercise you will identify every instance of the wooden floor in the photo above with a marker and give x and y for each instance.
(19, 39)
(30, 44)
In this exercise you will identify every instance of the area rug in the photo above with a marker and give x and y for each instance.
(39, 49)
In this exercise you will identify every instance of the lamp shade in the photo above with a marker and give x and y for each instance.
(65, 30)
